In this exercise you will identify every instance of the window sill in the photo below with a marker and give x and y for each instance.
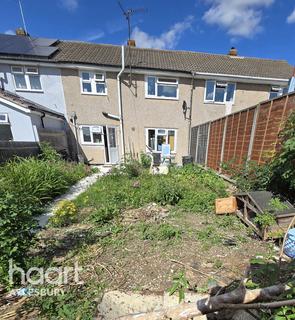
(28, 90)
(92, 144)
(161, 98)
(218, 103)
(94, 94)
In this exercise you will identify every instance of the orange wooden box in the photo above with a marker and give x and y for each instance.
(226, 205)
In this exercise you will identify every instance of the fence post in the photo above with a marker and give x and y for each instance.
(207, 147)
(252, 136)
(222, 144)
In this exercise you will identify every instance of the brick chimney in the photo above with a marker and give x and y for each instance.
(131, 43)
(20, 32)
(233, 52)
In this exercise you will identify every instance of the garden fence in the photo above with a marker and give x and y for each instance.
(249, 134)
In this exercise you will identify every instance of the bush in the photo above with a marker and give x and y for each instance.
(145, 160)
(168, 191)
(64, 214)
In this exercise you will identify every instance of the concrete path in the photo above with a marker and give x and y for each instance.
(71, 194)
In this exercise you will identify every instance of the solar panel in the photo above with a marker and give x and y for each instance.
(24, 45)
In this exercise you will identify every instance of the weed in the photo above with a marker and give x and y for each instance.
(208, 235)
(168, 192)
(64, 214)
(145, 160)
(218, 264)
(159, 232)
(180, 284)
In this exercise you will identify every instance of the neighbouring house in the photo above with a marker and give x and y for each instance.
(25, 123)
(123, 101)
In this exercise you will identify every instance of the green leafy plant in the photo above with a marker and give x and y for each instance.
(159, 232)
(25, 186)
(145, 160)
(64, 214)
(180, 284)
(168, 191)
(265, 219)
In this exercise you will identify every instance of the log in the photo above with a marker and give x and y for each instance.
(211, 304)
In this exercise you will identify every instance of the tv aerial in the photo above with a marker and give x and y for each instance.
(128, 14)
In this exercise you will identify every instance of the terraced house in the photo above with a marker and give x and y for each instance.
(151, 96)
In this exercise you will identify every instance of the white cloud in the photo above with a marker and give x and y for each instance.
(70, 5)
(95, 36)
(291, 17)
(240, 18)
(9, 31)
(167, 40)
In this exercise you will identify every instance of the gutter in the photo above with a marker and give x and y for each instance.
(198, 75)
(120, 104)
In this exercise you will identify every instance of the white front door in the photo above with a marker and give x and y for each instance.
(112, 145)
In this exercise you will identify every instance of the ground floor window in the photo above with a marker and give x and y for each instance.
(91, 134)
(5, 128)
(157, 137)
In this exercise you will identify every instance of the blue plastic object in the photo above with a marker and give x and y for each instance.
(289, 248)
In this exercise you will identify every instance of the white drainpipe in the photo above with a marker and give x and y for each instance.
(120, 104)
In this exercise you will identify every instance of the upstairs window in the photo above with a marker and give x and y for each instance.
(4, 118)
(157, 137)
(92, 135)
(26, 78)
(166, 88)
(93, 83)
(277, 92)
(219, 92)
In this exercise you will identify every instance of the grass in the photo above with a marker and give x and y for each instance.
(189, 194)
(190, 188)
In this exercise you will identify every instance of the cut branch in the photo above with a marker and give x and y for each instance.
(240, 296)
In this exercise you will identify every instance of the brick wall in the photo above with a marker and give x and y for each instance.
(250, 134)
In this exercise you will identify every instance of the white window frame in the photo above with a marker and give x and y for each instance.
(24, 71)
(149, 96)
(6, 118)
(93, 80)
(156, 134)
(91, 127)
(278, 89)
(224, 98)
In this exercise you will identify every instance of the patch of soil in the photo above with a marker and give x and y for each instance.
(149, 213)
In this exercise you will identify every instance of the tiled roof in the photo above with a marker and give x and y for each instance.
(26, 103)
(172, 60)
(167, 60)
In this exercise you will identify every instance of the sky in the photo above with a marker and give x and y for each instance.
(257, 28)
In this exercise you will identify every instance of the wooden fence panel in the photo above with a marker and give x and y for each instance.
(215, 143)
(251, 134)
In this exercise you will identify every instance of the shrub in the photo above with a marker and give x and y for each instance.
(64, 214)
(145, 160)
(167, 191)
(131, 167)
